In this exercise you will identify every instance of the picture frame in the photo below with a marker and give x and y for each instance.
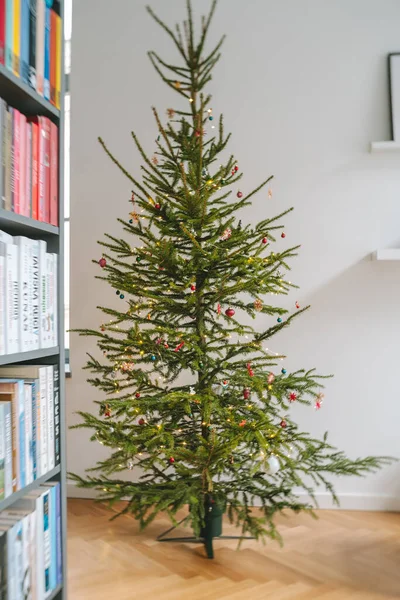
(394, 94)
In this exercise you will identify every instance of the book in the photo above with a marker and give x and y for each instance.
(15, 387)
(32, 44)
(46, 82)
(57, 441)
(3, 250)
(59, 536)
(3, 127)
(40, 15)
(9, 34)
(2, 451)
(59, 34)
(35, 430)
(25, 314)
(22, 164)
(28, 433)
(12, 305)
(43, 162)
(21, 517)
(51, 489)
(53, 217)
(8, 161)
(16, 36)
(16, 147)
(50, 417)
(3, 567)
(2, 34)
(35, 172)
(24, 63)
(35, 294)
(46, 163)
(44, 331)
(5, 402)
(9, 393)
(28, 175)
(53, 266)
(53, 54)
(46, 541)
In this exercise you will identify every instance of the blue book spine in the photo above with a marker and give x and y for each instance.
(59, 539)
(46, 540)
(46, 88)
(21, 433)
(53, 537)
(9, 34)
(25, 18)
(34, 429)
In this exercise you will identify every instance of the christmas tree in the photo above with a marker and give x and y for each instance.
(192, 398)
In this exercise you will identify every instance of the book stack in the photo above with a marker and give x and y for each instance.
(29, 425)
(30, 545)
(28, 165)
(28, 295)
(31, 42)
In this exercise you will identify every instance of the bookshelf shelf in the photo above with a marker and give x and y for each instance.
(32, 486)
(34, 355)
(24, 98)
(13, 223)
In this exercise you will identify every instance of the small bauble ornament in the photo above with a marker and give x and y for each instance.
(297, 305)
(246, 393)
(193, 287)
(272, 465)
(130, 464)
(283, 423)
(197, 133)
(250, 370)
(138, 258)
(225, 383)
(118, 292)
(283, 234)
(137, 395)
(264, 240)
(142, 421)
(102, 328)
(242, 423)
(236, 169)
(239, 194)
(226, 234)
(122, 296)
(102, 262)
(283, 371)
(279, 320)
(171, 460)
(107, 412)
(229, 312)
(271, 378)
(218, 309)
(210, 117)
(222, 182)
(153, 357)
(258, 305)
(292, 396)
(157, 206)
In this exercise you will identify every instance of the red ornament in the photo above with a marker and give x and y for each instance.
(141, 422)
(171, 460)
(250, 370)
(236, 169)
(283, 234)
(239, 194)
(292, 396)
(102, 262)
(197, 133)
(137, 395)
(297, 305)
(283, 423)
(246, 393)
(242, 423)
(229, 312)
(218, 309)
(102, 328)
(271, 378)
(319, 400)
(265, 240)
(157, 206)
(179, 346)
(107, 412)
(193, 287)
(166, 345)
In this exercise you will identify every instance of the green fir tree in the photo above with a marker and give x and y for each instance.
(189, 275)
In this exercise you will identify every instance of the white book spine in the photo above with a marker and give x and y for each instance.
(50, 417)
(55, 299)
(19, 560)
(39, 549)
(3, 446)
(43, 294)
(32, 549)
(12, 304)
(23, 245)
(3, 250)
(35, 294)
(8, 475)
(11, 566)
(44, 465)
(49, 300)
(26, 581)
(28, 434)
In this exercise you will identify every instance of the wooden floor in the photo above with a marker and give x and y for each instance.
(344, 555)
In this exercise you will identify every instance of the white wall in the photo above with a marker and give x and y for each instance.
(303, 87)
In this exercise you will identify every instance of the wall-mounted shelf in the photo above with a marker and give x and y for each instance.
(386, 254)
(385, 147)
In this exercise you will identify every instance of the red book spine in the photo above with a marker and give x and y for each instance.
(22, 166)
(16, 162)
(46, 161)
(28, 171)
(2, 30)
(35, 170)
(53, 55)
(53, 174)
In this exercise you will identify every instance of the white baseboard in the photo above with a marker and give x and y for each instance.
(372, 502)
